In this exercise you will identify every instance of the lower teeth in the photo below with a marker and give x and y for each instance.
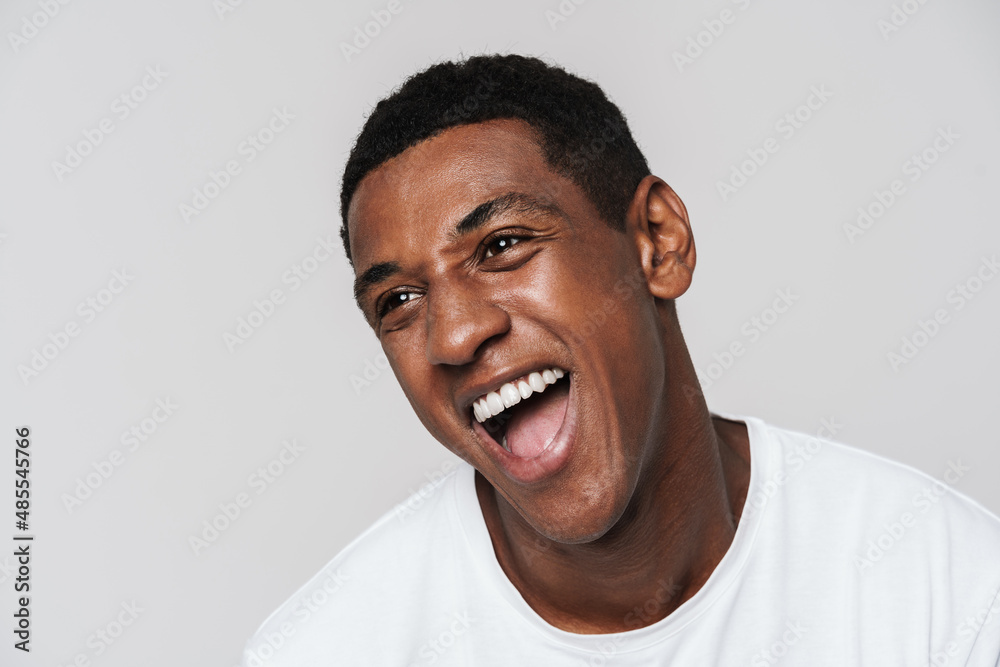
(503, 443)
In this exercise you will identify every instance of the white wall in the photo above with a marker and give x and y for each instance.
(162, 336)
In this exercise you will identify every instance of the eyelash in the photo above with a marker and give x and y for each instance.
(513, 236)
(383, 306)
(508, 235)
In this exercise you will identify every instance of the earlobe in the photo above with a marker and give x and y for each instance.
(659, 221)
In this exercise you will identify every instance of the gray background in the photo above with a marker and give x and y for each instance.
(364, 451)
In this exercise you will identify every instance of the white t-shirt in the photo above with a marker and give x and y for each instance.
(840, 558)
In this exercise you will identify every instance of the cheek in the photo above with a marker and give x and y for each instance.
(424, 388)
(611, 323)
(407, 361)
(599, 293)
(574, 281)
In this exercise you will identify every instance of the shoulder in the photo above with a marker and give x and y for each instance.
(370, 590)
(889, 541)
(842, 480)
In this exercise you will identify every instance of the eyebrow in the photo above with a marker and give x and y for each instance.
(512, 201)
(479, 216)
(372, 276)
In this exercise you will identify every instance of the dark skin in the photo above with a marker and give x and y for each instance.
(462, 299)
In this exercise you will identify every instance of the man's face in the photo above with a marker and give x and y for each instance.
(479, 266)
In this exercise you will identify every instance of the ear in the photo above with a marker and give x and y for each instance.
(659, 223)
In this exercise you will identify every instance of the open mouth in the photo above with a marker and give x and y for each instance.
(524, 415)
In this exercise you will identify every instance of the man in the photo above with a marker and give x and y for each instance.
(519, 264)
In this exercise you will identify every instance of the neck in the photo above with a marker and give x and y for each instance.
(678, 525)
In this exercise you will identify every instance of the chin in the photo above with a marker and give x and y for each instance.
(585, 518)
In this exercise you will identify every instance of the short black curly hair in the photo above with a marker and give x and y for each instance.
(583, 135)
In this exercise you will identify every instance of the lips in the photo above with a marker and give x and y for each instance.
(528, 423)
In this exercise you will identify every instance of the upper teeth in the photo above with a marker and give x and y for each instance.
(511, 393)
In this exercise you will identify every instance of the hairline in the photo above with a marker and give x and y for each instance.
(537, 137)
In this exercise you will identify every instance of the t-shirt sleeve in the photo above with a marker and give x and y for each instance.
(986, 649)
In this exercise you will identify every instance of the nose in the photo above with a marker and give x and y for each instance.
(459, 321)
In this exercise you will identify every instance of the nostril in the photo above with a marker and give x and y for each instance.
(457, 329)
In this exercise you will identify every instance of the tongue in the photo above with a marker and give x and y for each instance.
(534, 424)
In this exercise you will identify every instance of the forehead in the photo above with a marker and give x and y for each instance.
(431, 185)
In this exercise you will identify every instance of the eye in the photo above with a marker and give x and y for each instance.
(499, 244)
(394, 300)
